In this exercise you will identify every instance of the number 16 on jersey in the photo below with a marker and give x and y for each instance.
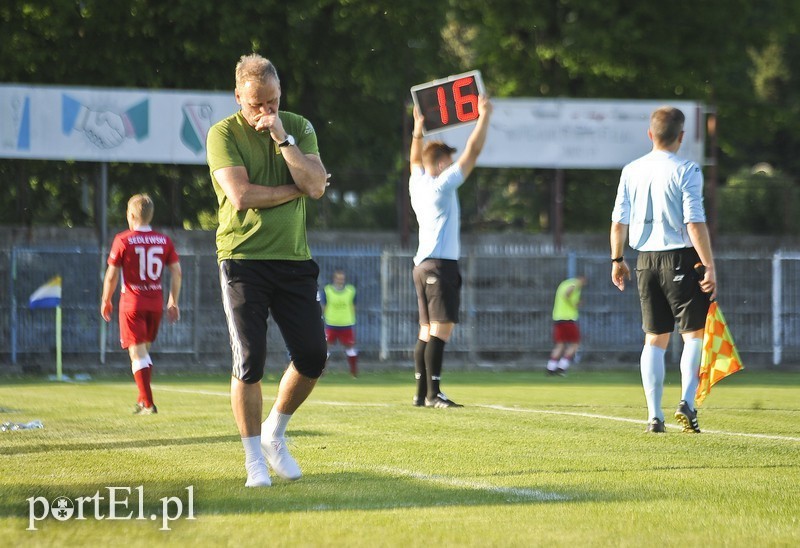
(448, 102)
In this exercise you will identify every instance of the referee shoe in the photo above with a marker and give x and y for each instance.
(687, 418)
(440, 401)
(656, 426)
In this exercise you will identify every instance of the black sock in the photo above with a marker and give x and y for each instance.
(419, 369)
(434, 355)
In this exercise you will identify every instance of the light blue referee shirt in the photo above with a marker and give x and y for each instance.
(435, 202)
(658, 195)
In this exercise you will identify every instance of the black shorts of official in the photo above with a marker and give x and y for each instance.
(251, 290)
(669, 291)
(438, 285)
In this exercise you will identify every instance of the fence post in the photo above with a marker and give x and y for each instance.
(777, 299)
(13, 308)
(102, 325)
(572, 264)
(470, 330)
(384, 342)
(196, 309)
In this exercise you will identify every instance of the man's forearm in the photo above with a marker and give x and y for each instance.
(308, 173)
(698, 235)
(619, 232)
(264, 197)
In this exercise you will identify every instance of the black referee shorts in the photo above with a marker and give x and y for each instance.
(438, 285)
(251, 289)
(669, 291)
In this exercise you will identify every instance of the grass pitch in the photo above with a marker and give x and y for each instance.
(529, 461)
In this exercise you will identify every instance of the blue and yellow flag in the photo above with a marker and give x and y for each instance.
(720, 357)
(48, 295)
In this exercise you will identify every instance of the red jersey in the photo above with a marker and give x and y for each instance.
(141, 255)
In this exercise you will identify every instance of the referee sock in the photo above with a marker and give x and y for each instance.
(434, 355)
(690, 369)
(652, 367)
(419, 370)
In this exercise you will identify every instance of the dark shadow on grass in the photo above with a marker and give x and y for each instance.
(122, 444)
(135, 443)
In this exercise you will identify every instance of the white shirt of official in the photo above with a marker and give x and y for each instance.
(658, 195)
(435, 202)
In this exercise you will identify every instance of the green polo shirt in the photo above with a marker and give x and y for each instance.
(277, 233)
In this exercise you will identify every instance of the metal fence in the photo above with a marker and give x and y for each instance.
(507, 301)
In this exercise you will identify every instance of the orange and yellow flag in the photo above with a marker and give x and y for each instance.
(720, 357)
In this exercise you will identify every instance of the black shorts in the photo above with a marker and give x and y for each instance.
(669, 291)
(438, 285)
(251, 289)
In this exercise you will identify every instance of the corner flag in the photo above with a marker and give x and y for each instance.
(720, 357)
(47, 296)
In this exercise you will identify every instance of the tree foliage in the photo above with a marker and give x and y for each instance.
(347, 65)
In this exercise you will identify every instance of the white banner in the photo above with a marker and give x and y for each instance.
(109, 125)
(576, 133)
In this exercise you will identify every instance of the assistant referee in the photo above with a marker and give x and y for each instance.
(659, 206)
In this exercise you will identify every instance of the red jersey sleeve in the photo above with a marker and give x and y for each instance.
(171, 256)
(117, 252)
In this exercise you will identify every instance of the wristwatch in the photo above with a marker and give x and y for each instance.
(618, 259)
(288, 142)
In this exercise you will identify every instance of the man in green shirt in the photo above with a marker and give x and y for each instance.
(264, 163)
(566, 334)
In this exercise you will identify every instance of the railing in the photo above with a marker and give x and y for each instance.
(507, 300)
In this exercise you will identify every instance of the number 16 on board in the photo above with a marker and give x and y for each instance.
(448, 102)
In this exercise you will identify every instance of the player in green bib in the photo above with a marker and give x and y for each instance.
(338, 300)
(566, 334)
(264, 164)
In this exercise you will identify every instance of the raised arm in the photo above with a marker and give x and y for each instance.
(415, 156)
(477, 138)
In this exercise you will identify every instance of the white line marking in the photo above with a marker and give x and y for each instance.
(623, 419)
(510, 409)
(519, 492)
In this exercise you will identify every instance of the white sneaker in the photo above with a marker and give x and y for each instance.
(257, 474)
(280, 460)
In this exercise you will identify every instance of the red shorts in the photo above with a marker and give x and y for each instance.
(345, 335)
(138, 327)
(566, 332)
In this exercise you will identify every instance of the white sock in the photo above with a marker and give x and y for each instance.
(252, 449)
(652, 367)
(138, 365)
(274, 428)
(563, 364)
(690, 369)
(552, 365)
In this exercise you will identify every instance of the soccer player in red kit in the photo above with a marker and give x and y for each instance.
(141, 253)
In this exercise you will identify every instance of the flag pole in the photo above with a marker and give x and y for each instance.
(58, 342)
